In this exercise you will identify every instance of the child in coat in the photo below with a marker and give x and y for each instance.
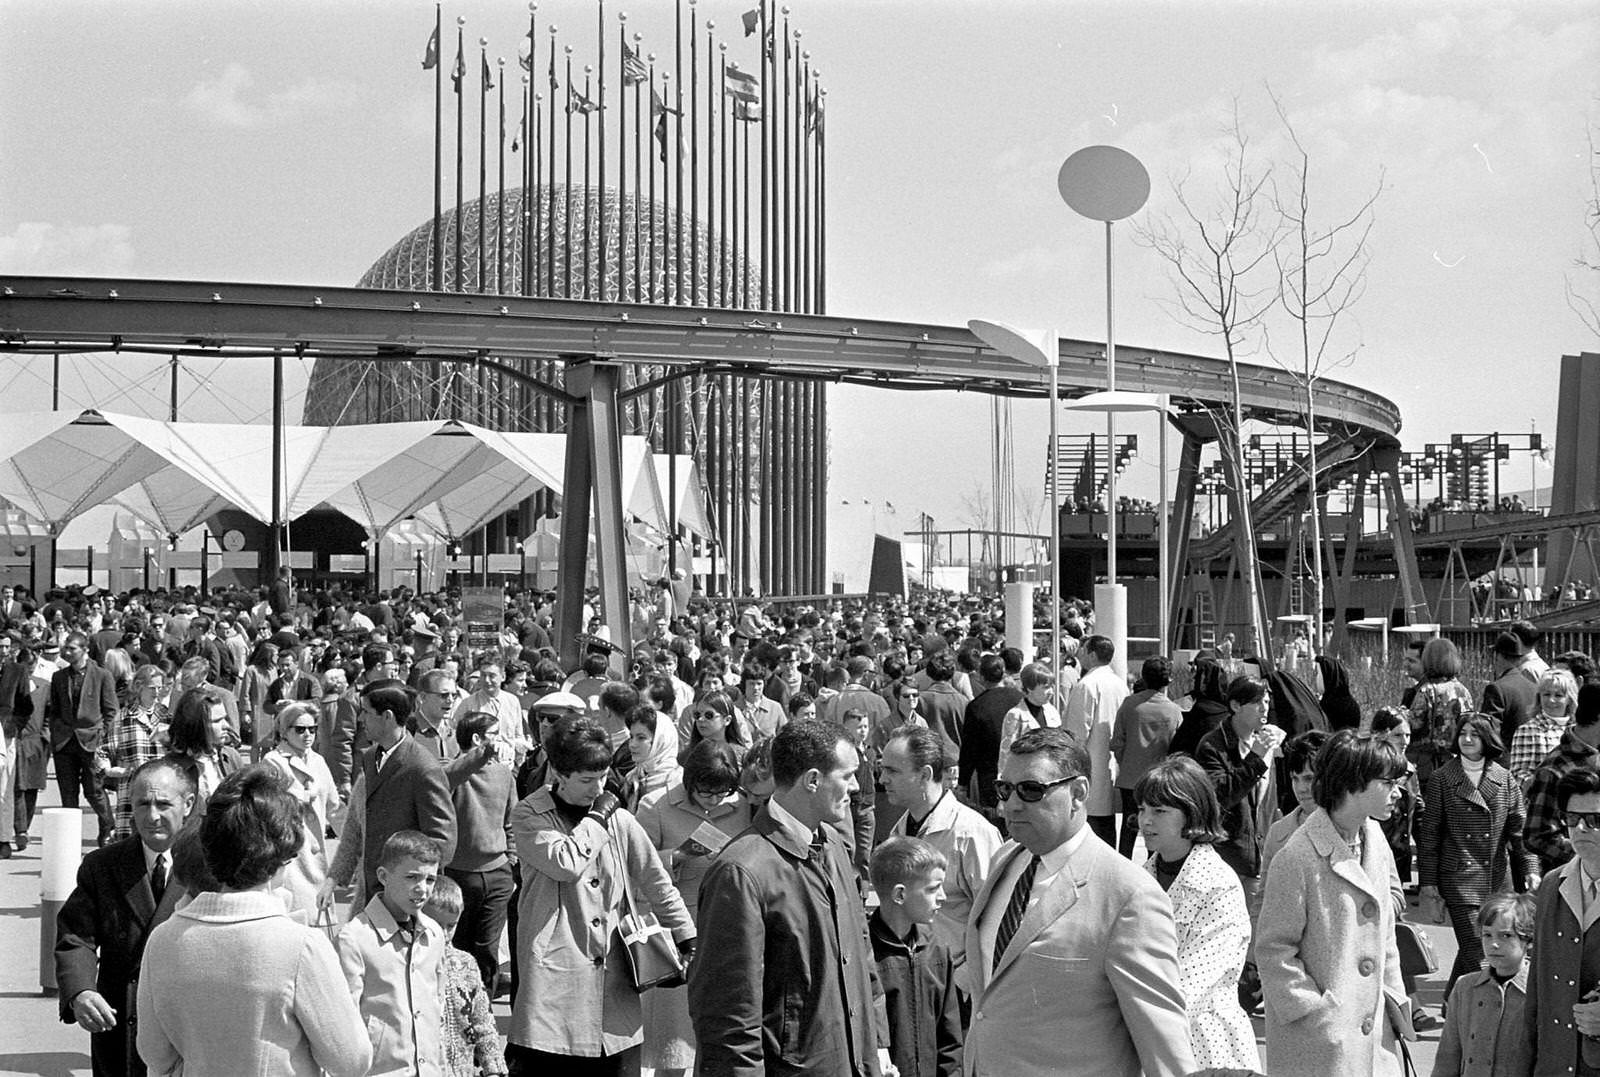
(917, 973)
(472, 1046)
(1485, 1031)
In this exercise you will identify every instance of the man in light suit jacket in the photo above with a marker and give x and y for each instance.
(102, 927)
(79, 714)
(1071, 949)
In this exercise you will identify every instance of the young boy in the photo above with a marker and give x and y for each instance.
(1299, 759)
(472, 1047)
(918, 976)
(393, 960)
(1485, 1029)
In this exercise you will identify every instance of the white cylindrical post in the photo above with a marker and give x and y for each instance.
(1111, 621)
(61, 853)
(1019, 618)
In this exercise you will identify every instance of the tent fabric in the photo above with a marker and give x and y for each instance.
(692, 514)
(57, 465)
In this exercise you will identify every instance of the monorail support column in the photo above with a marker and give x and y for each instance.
(1182, 510)
(593, 475)
(1387, 461)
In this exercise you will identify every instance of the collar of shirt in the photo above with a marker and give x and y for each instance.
(1051, 863)
(151, 856)
(384, 754)
(792, 836)
(387, 927)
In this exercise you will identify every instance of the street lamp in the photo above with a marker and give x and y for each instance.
(1038, 348)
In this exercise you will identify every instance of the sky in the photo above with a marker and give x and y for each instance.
(290, 142)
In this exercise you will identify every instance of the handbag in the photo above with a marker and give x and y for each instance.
(1416, 952)
(653, 958)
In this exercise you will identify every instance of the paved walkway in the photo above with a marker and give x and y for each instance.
(33, 1040)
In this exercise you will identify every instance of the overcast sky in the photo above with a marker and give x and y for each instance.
(291, 143)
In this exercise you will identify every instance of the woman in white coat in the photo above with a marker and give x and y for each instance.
(1180, 819)
(1325, 945)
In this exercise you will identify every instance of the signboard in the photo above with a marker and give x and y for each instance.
(347, 562)
(300, 559)
(461, 564)
(484, 610)
(508, 563)
(700, 565)
(181, 559)
(241, 559)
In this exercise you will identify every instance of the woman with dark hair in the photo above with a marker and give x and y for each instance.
(1325, 944)
(711, 718)
(652, 751)
(1338, 704)
(230, 984)
(688, 824)
(1180, 820)
(259, 673)
(197, 738)
(1471, 829)
(1207, 711)
(584, 860)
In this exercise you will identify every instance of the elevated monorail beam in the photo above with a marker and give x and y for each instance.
(219, 320)
(1528, 526)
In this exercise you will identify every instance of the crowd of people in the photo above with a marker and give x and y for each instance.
(857, 838)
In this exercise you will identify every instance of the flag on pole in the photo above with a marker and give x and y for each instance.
(460, 70)
(430, 58)
(525, 51)
(814, 123)
(743, 86)
(577, 102)
(752, 21)
(659, 111)
(747, 111)
(555, 83)
(488, 76)
(633, 69)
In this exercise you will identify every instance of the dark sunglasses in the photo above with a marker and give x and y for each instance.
(1031, 792)
(302, 729)
(1589, 820)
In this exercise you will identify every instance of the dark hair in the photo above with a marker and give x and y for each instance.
(408, 845)
(904, 860)
(710, 764)
(1518, 908)
(389, 695)
(1156, 672)
(1508, 647)
(473, 724)
(1300, 752)
(595, 664)
(1179, 782)
(798, 702)
(1101, 647)
(1351, 761)
(1063, 749)
(251, 828)
(723, 705)
(992, 668)
(941, 666)
(619, 698)
(189, 732)
(923, 746)
(1387, 718)
(1244, 690)
(659, 690)
(1012, 657)
(1440, 660)
(641, 714)
(1588, 709)
(807, 744)
(1488, 733)
(1035, 675)
(264, 653)
(1208, 680)
(374, 655)
(1580, 781)
(577, 743)
(189, 861)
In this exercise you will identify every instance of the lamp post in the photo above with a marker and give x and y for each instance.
(1038, 348)
(1104, 183)
(522, 572)
(147, 553)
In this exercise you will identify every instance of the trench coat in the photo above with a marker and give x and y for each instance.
(1325, 949)
(576, 997)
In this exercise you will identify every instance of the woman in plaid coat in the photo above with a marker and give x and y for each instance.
(1471, 828)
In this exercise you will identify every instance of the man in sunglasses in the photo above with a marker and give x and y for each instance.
(1071, 949)
(1562, 1011)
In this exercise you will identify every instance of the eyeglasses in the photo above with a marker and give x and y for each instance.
(302, 729)
(1588, 820)
(1031, 792)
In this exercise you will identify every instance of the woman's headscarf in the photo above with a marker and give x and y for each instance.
(1338, 703)
(663, 757)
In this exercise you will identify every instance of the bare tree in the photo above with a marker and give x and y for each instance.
(1322, 273)
(1219, 252)
(1583, 293)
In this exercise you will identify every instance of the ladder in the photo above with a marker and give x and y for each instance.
(1205, 611)
(1297, 579)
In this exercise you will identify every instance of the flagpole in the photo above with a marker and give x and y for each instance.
(438, 156)
(588, 243)
(600, 37)
(677, 154)
(622, 157)
(459, 75)
(566, 239)
(638, 188)
(669, 273)
(483, 150)
(550, 186)
(717, 79)
(500, 201)
(530, 154)
(803, 164)
(652, 166)
(744, 187)
(694, 170)
(787, 258)
(822, 200)
(766, 238)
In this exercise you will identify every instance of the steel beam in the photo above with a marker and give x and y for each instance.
(593, 474)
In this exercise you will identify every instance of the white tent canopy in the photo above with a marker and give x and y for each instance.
(692, 514)
(452, 477)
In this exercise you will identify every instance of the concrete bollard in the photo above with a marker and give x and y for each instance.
(61, 851)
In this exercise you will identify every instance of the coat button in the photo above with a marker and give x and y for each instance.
(594, 882)
(1369, 910)
(1365, 966)
(1366, 1027)
(596, 921)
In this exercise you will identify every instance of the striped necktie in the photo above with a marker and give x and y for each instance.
(1014, 909)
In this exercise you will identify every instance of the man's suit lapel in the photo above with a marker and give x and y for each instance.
(377, 775)
(1054, 901)
(134, 884)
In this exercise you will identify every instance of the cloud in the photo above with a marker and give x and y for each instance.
(231, 100)
(44, 249)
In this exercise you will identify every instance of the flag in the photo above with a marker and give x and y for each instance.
(525, 51)
(743, 86)
(555, 83)
(814, 120)
(661, 135)
(488, 76)
(633, 69)
(430, 58)
(749, 112)
(460, 71)
(752, 21)
(577, 102)
(659, 107)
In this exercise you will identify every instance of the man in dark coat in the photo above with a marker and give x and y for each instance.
(1511, 698)
(787, 987)
(80, 713)
(124, 890)
(980, 733)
